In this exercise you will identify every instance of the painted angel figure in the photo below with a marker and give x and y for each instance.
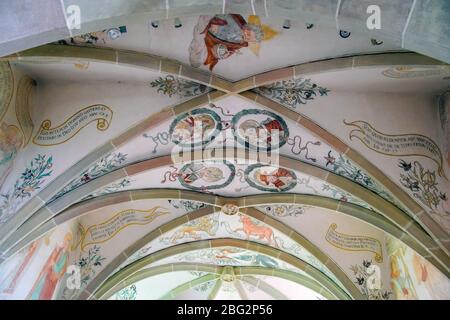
(219, 37)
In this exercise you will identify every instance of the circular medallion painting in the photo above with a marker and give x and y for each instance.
(260, 129)
(269, 178)
(195, 128)
(206, 175)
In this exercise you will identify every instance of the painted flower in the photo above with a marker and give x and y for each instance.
(404, 165)
(367, 263)
(27, 174)
(360, 280)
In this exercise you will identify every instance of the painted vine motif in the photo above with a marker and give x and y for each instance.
(284, 210)
(114, 187)
(29, 181)
(171, 86)
(128, 293)
(422, 183)
(345, 168)
(186, 205)
(89, 264)
(363, 276)
(294, 92)
(341, 195)
(103, 166)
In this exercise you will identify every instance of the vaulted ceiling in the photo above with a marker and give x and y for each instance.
(171, 159)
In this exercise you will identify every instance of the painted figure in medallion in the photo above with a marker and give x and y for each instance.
(260, 129)
(195, 128)
(268, 178)
(219, 37)
(53, 270)
(196, 171)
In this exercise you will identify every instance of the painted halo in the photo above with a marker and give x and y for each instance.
(270, 178)
(253, 129)
(195, 128)
(207, 175)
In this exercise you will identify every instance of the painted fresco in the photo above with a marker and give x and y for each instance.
(222, 36)
(169, 85)
(293, 93)
(31, 179)
(413, 277)
(363, 273)
(196, 127)
(36, 147)
(237, 226)
(202, 175)
(256, 128)
(269, 178)
(38, 272)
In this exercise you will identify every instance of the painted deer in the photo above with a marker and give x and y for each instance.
(252, 229)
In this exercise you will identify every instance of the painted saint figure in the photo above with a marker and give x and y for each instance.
(53, 270)
(223, 35)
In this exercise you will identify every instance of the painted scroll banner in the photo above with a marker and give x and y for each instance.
(102, 232)
(354, 242)
(48, 136)
(396, 145)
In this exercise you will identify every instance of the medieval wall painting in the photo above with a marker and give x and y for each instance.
(422, 169)
(37, 271)
(412, 277)
(354, 242)
(173, 86)
(293, 93)
(223, 36)
(396, 145)
(104, 231)
(48, 136)
(238, 226)
(31, 179)
(260, 129)
(12, 271)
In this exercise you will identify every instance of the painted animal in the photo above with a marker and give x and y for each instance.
(193, 230)
(252, 229)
